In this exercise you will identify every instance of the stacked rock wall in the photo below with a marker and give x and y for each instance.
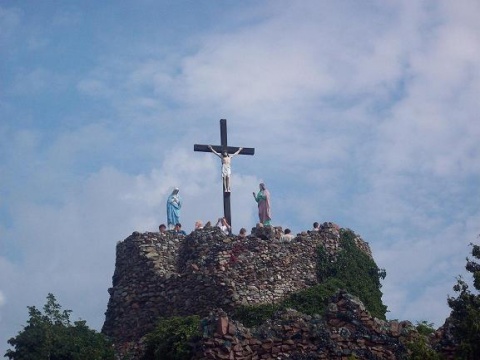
(346, 331)
(158, 275)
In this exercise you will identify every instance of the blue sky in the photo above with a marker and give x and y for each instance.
(364, 114)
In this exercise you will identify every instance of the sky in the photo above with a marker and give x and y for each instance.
(365, 114)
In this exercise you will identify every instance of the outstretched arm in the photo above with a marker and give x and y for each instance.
(213, 151)
(237, 152)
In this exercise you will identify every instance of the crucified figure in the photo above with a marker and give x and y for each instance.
(226, 168)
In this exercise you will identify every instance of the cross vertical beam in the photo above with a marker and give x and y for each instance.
(224, 148)
(227, 212)
(223, 134)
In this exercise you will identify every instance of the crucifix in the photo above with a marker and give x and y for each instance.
(225, 153)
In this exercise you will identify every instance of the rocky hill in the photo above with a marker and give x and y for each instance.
(213, 275)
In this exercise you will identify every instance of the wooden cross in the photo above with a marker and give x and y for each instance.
(224, 148)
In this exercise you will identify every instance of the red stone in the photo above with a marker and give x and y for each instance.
(222, 325)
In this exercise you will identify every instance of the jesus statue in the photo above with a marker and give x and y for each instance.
(226, 168)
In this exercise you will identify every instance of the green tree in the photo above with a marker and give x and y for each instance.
(465, 315)
(51, 335)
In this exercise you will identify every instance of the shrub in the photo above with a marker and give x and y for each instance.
(172, 338)
(355, 271)
(419, 346)
(255, 315)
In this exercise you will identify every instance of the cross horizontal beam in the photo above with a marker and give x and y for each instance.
(219, 149)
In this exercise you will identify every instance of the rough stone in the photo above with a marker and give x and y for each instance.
(160, 275)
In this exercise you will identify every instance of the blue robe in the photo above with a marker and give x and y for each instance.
(174, 204)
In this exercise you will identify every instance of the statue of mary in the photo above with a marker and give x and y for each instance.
(174, 204)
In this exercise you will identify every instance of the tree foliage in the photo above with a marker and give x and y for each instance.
(420, 347)
(51, 335)
(465, 315)
(355, 271)
(172, 337)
